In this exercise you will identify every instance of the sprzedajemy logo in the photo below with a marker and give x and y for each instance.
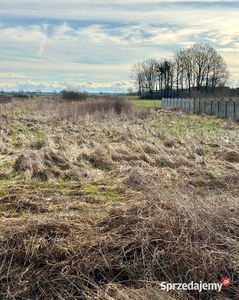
(196, 286)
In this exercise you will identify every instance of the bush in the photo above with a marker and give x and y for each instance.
(97, 107)
(73, 95)
(106, 104)
(23, 96)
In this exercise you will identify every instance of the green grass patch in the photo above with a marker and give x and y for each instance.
(144, 103)
(6, 165)
(189, 125)
(24, 135)
(132, 98)
(92, 188)
(95, 214)
(25, 113)
(102, 192)
(38, 136)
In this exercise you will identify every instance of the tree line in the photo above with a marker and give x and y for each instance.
(191, 71)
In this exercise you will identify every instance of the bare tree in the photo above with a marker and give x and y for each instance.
(187, 68)
(137, 74)
(150, 71)
(219, 74)
(179, 70)
(197, 69)
(166, 77)
(201, 68)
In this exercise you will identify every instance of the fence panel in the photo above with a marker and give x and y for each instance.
(187, 104)
(165, 102)
(179, 103)
(184, 104)
(196, 106)
(201, 106)
(220, 108)
(192, 105)
(215, 107)
(230, 113)
(170, 102)
(237, 109)
(208, 107)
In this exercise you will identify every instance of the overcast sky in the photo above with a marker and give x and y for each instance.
(53, 45)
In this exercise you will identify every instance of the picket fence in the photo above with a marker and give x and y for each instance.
(218, 107)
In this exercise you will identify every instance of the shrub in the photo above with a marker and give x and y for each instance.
(106, 104)
(98, 107)
(74, 95)
(23, 96)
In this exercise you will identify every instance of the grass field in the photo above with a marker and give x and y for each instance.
(105, 199)
(141, 103)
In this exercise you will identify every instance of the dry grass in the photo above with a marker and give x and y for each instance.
(102, 201)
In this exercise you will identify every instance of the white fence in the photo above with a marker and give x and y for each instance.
(221, 108)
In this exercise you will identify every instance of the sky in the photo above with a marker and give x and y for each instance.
(91, 45)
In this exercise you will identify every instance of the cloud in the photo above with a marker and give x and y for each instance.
(41, 49)
(114, 86)
(99, 41)
(12, 75)
(28, 34)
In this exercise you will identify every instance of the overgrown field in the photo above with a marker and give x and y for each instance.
(104, 200)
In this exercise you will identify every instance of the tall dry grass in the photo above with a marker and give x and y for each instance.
(75, 111)
(99, 201)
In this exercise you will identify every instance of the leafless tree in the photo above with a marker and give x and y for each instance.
(144, 75)
(150, 71)
(179, 70)
(166, 77)
(219, 75)
(137, 75)
(201, 67)
(197, 69)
